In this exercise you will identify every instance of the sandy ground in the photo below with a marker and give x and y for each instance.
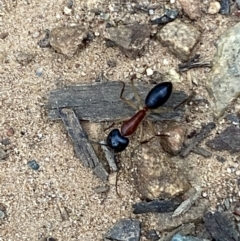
(34, 200)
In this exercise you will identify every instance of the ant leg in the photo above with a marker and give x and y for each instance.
(185, 101)
(151, 127)
(128, 102)
(116, 122)
(116, 184)
(162, 110)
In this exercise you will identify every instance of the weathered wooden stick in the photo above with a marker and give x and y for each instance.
(83, 149)
(99, 102)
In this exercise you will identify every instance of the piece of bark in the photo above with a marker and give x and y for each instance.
(201, 151)
(156, 206)
(100, 102)
(82, 147)
(166, 222)
(228, 140)
(187, 204)
(110, 156)
(220, 227)
(194, 63)
(197, 139)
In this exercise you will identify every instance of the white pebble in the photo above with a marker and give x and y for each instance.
(214, 7)
(238, 172)
(204, 194)
(229, 170)
(151, 11)
(172, 1)
(149, 71)
(58, 16)
(35, 34)
(39, 71)
(67, 11)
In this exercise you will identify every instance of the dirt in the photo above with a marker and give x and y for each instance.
(36, 200)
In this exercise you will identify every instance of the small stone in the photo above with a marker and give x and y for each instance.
(68, 39)
(131, 39)
(125, 230)
(174, 141)
(33, 165)
(152, 235)
(174, 76)
(229, 170)
(2, 214)
(151, 11)
(233, 118)
(3, 35)
(67, 11)
(179, 237)
(180, 38)
(225, 7)
(157, 176)
(191, 8)
(238, 173)
(149, 71)
(3, 154)
(204, 194)
(104, 16)
(221, 159)
(39, 71)
(35, 34)
(6, 141)
(227, 204)
(236, 209)
(214, 7)
(10, 132)
(24, 58)
(101, 189)
(223, 82)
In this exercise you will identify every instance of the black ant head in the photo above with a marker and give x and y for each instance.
(116, 141)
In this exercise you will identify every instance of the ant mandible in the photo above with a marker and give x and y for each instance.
(156, 97)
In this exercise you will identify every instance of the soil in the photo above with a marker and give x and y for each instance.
(58, 200)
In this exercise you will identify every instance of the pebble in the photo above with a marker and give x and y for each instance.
(10, 132)
(2, 214)
(238, 172)
(67, 11)
(173, 35)
(39, 71)
(125, 229)
(33, 165)
(223, 80)
(35, 34)
(236, 210)
(151, 11)
(214, 7)
(229, 170)
(149, 71)
(204, 194)
(152, 235)
(6, 141)
(233, 118)
(179, 237)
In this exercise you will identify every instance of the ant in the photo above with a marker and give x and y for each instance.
(157, 96)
